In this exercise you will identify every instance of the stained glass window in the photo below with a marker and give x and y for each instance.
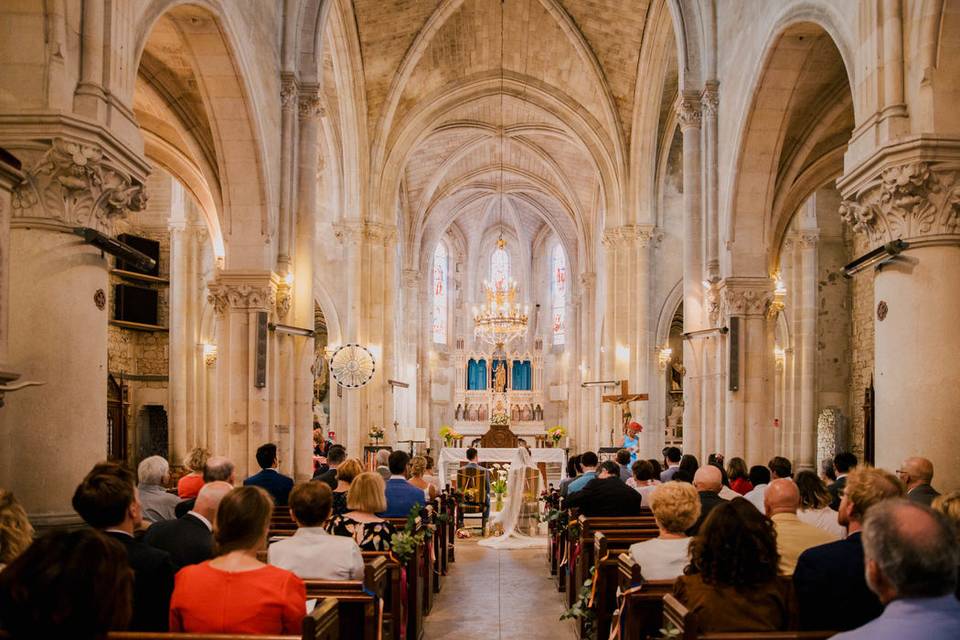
(500, 268)
(559, 302)
(439, 283)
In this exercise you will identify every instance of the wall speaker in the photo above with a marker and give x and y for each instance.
(733, 339)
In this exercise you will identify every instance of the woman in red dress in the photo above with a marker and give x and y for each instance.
(235, 592)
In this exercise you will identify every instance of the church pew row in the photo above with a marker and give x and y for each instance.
(580, 547)
(321, 624)
(676, 615)
(358, 601)
(606, 552)
(641, 609)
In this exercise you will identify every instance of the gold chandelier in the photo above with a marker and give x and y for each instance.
(499, 320)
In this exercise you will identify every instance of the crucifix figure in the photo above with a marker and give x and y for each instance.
(631, 440)
(623, 399)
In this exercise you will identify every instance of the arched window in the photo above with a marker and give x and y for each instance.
(500, 268)
(559, 297)
(439, 293)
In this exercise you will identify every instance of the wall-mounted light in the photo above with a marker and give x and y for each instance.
(664, 356)
(779, 295)
(779, 356)
(288, 278)
(209, 354)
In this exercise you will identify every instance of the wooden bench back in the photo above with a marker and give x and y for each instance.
(323, 623)
(677, 615)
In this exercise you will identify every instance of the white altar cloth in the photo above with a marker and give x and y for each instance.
(450, 458)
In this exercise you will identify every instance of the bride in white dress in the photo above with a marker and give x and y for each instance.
(514, 518)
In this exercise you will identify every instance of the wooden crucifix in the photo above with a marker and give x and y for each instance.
(624, 398)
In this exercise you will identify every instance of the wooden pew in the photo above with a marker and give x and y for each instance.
(677, 615)
(606, 550)
(394, 605)
(416, 569)
(582, 546)
(641, 610)
(358, 602)
(323, 623)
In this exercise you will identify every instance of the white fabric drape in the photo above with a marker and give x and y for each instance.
(514, 518)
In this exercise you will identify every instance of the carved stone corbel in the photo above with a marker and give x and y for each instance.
(74, 184)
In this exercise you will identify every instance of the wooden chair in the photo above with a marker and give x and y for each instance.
(472, 483)
(358, 601)
(675, 614)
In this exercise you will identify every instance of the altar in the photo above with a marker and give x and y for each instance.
(451, 457)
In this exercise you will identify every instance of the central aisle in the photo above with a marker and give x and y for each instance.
(498, 595)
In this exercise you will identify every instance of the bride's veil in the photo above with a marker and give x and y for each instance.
(523, 489)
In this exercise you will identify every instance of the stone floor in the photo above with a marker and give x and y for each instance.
(498, 595)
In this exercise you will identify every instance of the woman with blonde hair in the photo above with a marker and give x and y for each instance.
(189, 485)
(346, 472)
(367, 497)
(16, 532)
(235, 592)
(676, 506)
(418, 468)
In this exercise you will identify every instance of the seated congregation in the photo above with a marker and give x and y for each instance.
(227, 564)
(759, 549)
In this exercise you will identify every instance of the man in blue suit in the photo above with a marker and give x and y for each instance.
(269, 478)
(401, 495)
(829, 579)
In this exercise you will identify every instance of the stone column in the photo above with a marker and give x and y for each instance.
(59, 310)
(709, 101)
(89, 97)
(179, 327)
(238, 296)
(350, 235)
(410, 295)
(807, 342)
(748, 414)
(689, 115)
(310, 114)
(289, 179)
(912, 193)
(590, 358)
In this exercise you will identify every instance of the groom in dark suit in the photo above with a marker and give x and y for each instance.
(269, 478)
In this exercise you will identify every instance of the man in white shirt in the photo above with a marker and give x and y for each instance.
(311, 552)
(779, 467)
(158, 505)
(759, 478)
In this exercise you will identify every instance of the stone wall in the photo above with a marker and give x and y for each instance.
(861, 339)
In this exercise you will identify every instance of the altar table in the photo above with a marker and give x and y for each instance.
(451, 457)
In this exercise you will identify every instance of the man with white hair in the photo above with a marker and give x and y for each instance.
(189, 539)
(153, 473)
(911, 564)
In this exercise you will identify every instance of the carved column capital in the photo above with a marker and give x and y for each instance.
(349, 233)
(74, 184)
(745, 296)
(310, 104)
(808, 239)
(710, 99)
(689, 114)
(914, 200)
(241, 290)
(289, 91)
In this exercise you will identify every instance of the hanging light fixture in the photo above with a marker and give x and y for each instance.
(500, 319)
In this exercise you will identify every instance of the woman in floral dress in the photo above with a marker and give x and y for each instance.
(365, 499)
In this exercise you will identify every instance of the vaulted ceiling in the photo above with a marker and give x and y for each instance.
(531, 99)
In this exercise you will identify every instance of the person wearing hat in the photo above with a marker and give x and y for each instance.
(631, 440)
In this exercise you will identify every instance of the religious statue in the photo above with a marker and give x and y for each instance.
(515, 413)
(676, 376)
(483, 413)
(675, 420)
(458, 412)
(538, 413)
(500, 378)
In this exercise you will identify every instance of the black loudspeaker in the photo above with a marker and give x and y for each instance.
(150, 248)
(260, 378)
(135, 304)
(733, 339)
